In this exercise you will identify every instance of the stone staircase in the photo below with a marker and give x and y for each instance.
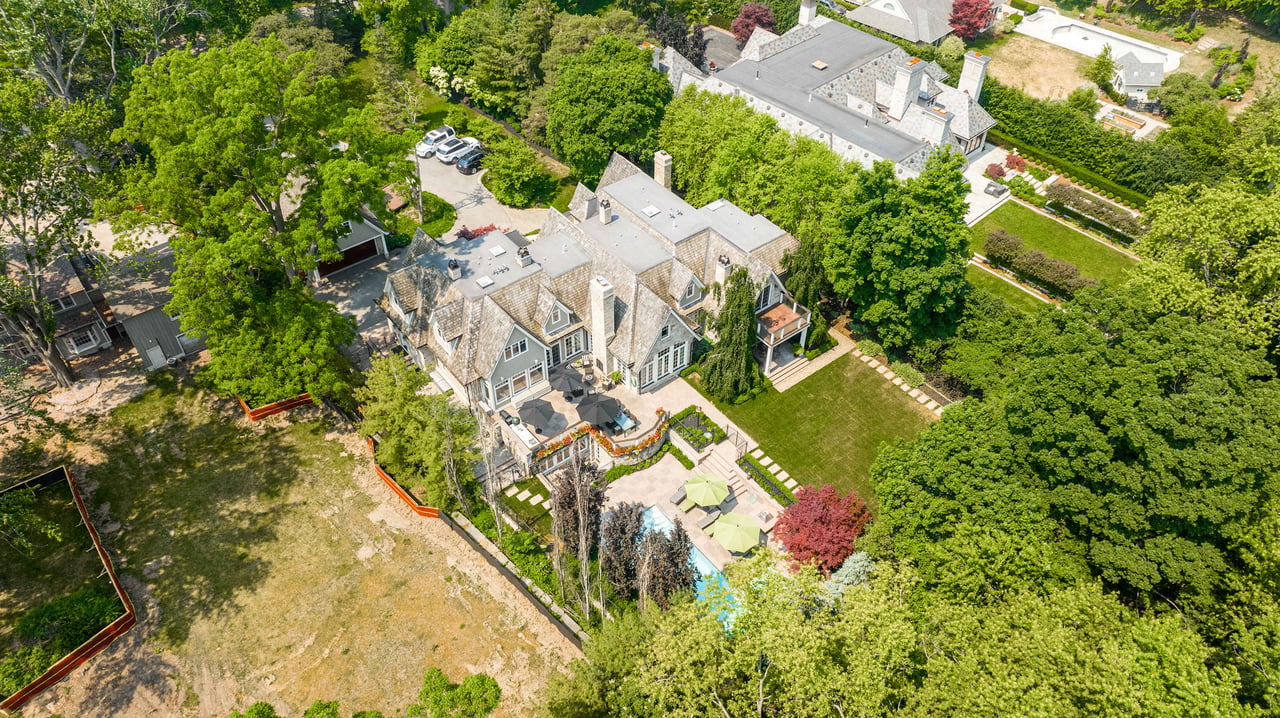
(793, 367)
(722, 462)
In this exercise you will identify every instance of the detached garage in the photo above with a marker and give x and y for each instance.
(362, 240)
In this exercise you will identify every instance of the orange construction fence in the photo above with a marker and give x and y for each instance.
(101, 639)
(278, 407)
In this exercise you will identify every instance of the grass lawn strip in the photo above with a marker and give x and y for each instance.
(828, 428)
(1093, 258)
(1012, 295)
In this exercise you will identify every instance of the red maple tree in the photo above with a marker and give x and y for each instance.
(970, 17)
(821, 526)
(752, 16)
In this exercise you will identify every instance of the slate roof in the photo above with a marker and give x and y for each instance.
(926, 20)
(788, 79)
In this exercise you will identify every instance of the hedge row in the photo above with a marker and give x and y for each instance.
(1094, 213)
(1086, 177)
(1055, 275)
(1024, 6)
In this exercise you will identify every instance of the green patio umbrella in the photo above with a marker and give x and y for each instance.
(736, 532)
(706, 490)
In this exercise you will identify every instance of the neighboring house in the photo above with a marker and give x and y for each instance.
(862, 96)
(1136, 78)
(81, 328)
(362, 238)
(137, 295)
(926, 21)
(623, 276)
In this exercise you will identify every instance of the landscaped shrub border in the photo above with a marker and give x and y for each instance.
(766, 480)
(621, 470)
(1007, 251)
(102, 638)
(697, 435)
(1024, 6)
(1071, 170)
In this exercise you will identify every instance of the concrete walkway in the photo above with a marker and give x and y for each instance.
(980, 203)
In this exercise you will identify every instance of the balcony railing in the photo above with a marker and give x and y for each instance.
(781, 321)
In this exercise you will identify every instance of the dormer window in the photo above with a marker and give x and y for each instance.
(690, 291)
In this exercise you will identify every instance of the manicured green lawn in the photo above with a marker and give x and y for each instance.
(536, 516)
(828, 428)
(985, 280)
(1037, 231)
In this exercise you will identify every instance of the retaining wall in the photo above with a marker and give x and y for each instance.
(274, 408)
(101, 639)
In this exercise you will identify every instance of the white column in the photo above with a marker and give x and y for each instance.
(768, 359)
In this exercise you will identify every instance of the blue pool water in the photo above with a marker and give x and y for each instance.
(655, 519)
(710, 577)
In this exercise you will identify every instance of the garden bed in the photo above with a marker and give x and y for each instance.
(697, 428)
(60, 605)
(1041, 232)
(767, 480)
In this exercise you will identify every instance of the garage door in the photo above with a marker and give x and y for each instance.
(358, 253)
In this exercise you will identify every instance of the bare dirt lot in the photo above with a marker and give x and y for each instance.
(1039, 68)
(269, 564)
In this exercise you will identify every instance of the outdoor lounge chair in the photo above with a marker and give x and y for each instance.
(709, 519)
(678, 497)
(687, 505)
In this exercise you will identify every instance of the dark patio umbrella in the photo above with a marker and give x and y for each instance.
(565, 379)
(597, 409)
(538, 413)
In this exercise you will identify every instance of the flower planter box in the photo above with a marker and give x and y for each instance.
(278, 407)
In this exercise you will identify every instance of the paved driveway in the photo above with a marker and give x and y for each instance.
(355, 291)
(476, 205)
(980, 203)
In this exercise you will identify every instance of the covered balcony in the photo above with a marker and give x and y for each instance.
(779, 324)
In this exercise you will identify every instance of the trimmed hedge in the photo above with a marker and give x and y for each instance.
(1056, 276)
(1024, 6)
(1109, 219)
(1068, 169)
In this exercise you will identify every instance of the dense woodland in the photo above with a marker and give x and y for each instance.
(1092, 531)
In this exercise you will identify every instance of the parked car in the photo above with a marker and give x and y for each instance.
(469, 163)
(455, 147)
(430, 141)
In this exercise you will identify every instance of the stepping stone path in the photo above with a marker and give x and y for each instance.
(511, 490)
(765, 461)
(523, 495)
(790, 484)
(757, 453)
(773, 468)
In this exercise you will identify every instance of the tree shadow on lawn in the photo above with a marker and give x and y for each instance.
(197, 495)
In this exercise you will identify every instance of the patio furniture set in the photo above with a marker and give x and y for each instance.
(716, 498)
(593, 406)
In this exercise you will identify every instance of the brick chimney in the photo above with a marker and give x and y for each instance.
(600, 296)
(973, 74)
(662, 168)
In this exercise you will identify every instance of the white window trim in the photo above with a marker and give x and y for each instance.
(62, 304)
(515, 349)
(91, 340)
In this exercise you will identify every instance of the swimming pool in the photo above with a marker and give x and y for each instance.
(1049, 25)
(654, 519)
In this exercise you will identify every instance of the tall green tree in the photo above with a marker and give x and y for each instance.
(256, 160)
(901, 259)
(423, 440)
(1213, 252)
(1255, 154)
(48, 181)
(729, 370)
(20, 522)
(1075, 652)
(607, 98)
(1182, 90)
(404, 21)
(1153, 437)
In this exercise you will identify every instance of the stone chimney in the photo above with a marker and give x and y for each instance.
(455, 270)
(937, 127)
(662, 168)
(600, 296)
(973, 74)
(606, 211)
(907, 80)
(808, 11)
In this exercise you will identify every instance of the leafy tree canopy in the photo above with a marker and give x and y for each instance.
(729, 370)
(821, 526)
(256, 161)
(606, 98)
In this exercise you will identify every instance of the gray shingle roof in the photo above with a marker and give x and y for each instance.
(1137, 72)
(141, 283)
(926, 20)
(789, 80)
